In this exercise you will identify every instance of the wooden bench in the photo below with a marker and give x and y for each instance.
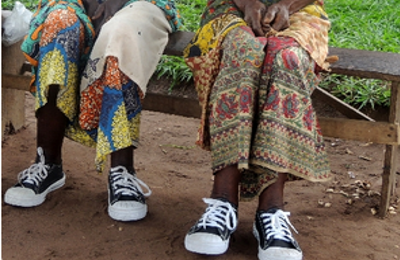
(358, 127)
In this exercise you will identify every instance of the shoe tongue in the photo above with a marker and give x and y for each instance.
(272, 210)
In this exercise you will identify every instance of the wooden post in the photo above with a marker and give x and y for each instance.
(391, 154)
(13, 101)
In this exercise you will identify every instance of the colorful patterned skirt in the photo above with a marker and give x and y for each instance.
(106, 113)
(257, 111)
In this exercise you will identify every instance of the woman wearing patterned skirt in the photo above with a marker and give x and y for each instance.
(91, 64)
(256, 64)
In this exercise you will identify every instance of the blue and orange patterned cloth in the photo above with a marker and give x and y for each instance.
(58, 46)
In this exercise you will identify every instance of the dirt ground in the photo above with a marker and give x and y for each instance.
(73, 222)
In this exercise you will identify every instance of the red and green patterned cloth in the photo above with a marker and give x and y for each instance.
(255, 96)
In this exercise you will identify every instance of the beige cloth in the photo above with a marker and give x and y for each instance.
(137, 36)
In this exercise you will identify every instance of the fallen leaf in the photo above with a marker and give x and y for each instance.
(366, 144)
(366, 158)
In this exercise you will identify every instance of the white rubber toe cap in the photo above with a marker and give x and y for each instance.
(206, 243)
(279, 253)
(127, 210)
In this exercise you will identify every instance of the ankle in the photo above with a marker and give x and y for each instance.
(234, 205)
(47, 156)
(225, 198)
(129, 169)
(270, 207)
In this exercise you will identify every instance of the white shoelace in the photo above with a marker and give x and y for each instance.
(218, 214)
(126, 183)
(277, 225)
(36, 173)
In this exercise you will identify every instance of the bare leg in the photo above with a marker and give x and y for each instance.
(226, 184)
(35, 182)
(123, 157)
(51, 124)
(272, 197)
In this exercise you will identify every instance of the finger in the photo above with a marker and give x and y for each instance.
(254, 22)
(269, 16)
(281, 22)
(257, 29)
(266, 29)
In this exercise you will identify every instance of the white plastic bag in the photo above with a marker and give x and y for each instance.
(16, 26)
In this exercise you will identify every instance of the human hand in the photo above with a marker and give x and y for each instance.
(276, 17)
(253, 11)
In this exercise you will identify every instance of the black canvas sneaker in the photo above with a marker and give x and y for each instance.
(276, 242)
(126, 200)
(211, 234)
(35, 183)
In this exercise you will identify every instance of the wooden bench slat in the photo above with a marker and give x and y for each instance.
(352, 62)
(361, 63)
(18, 82)
(359, 130)
(343, 128)
(177, 43)
(366, 64)
(344, 108)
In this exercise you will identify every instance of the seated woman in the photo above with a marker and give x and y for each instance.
(256, 64)
(91, 64)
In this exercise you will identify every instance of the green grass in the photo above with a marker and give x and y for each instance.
(365, 25)
(9, 4)
(356, 24)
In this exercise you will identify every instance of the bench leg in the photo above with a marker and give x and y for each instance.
(12, 109)
(391, 155)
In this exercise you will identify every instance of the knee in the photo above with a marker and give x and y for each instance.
(294, 59)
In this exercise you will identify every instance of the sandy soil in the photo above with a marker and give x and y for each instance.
(73, 222)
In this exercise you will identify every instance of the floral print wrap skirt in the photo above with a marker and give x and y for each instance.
(257, 112)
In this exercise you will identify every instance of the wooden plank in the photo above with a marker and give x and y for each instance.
(391, 154)
(361, 63)
(366, 64)
(13, 100)
(18, 82)
(358, 130)
(177, 43)
(172, 105)
(350, 129)
(352, 62)
(339, 105)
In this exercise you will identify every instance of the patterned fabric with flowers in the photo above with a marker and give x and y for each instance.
(58, 44)
(255, 95)
(260, 112)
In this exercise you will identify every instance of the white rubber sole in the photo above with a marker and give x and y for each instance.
(206, 244)
(127, 210)
(23, 197)
(279, 253)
